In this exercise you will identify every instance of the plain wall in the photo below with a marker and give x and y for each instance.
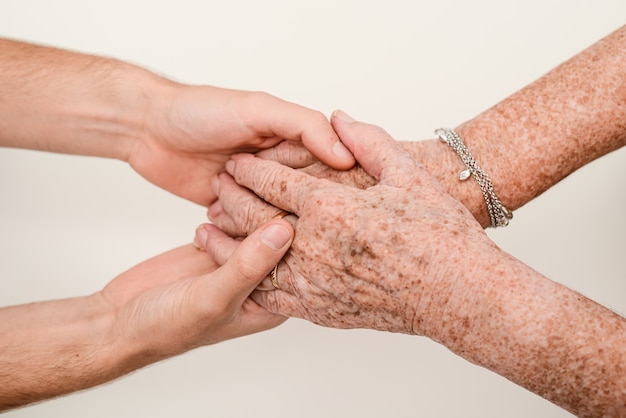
(70, 224)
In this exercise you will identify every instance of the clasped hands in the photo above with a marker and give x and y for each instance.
(372, 244)
(385, 245)
(379, 246)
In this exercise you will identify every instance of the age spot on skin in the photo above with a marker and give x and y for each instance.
(359, 250)
(367, 249)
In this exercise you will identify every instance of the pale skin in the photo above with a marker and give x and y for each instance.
(393, 249)
(176, 136)
(165, 306)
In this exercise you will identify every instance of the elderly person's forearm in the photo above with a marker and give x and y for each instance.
(574, 114)
(571, 116)
(537, 333)
(404, 256)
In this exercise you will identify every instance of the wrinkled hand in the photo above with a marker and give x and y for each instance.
(191, 131)
(186, 298)
(383, 257)
(435, 157)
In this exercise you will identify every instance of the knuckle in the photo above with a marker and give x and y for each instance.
(265, 181)
(373, 130)
(319, 118)
(243, 213)
(249, 270)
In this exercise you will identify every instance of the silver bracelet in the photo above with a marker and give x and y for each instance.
(498, 214)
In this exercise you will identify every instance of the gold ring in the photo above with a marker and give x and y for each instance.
(273, 277)
(281, 214)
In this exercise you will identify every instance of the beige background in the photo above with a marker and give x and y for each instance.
(70, 224)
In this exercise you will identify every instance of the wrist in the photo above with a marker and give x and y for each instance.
(492, 150)
(455, 301)
(125, 349)
(469, 297)
(114, 354)
(66, 102)
(141, 107)
(510, 319)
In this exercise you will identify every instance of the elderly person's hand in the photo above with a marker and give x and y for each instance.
(370, 258)
(404, 256)
(434, 156)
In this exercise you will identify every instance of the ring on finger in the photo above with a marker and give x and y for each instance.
(273, 277)
(273, 273)
(281, 214)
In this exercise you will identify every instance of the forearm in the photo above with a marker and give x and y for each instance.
(53, 348)
(540, 335)
(60, 101)
(573, 115)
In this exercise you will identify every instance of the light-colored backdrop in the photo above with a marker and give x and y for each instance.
(70, 224)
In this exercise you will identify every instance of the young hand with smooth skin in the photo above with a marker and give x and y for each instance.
(175, 135)
(405, 256)
(165, 306)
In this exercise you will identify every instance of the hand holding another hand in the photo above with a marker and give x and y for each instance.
(191, 131)
(402, 255)
(362, 258)
(187, 298)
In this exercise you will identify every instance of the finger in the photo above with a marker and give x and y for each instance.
(298, 123)
(218, 245)
(376, 151)
(281, 186)
(355, 177)
(289, 153)
(238, 211)
(252, 260)
(280, 277)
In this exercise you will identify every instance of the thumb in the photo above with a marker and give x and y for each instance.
(253, 259)
(375, 150)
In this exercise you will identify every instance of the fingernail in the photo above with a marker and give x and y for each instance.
(341, 115)
(230, 167)
(215, 185)
(340, 150)
(275, 236)
(199, 241)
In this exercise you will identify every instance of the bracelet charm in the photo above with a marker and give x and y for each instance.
(498, 214)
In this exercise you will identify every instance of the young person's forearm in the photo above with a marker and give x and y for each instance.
(60, 101)
(53, 348)
(539, 334)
